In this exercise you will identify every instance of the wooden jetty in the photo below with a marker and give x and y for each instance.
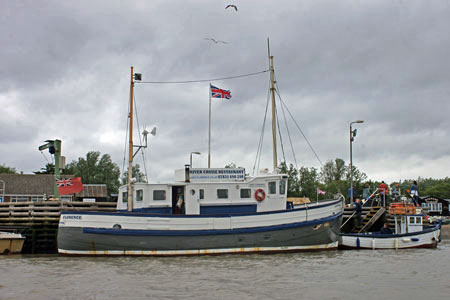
(369, 215)
(38, 220)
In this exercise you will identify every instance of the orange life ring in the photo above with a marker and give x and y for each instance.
(260, 195)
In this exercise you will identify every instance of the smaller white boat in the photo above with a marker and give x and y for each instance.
(409, 232)
(11, 243)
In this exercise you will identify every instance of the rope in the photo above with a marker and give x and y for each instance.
(289, 135)
(279, 133)
(261, 138)
(125, 146)
(298, 127)
(140, 138)
(206, 80)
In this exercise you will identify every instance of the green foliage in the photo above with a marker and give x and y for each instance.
(48, 169)
(293, 189)
(308, 182)
(231, 165)
(96, 170)
(7, 170)
(441, 190)
(135, 173)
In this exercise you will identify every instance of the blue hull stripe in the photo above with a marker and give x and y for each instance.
(227, 209)
(134, 232)
(156, 215)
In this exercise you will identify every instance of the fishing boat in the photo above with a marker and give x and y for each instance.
(409, 232)
(203, 211)
(11, 243)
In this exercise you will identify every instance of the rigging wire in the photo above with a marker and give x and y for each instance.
(279, 133)
(126, 138)
(207, 80)
(289, 135)
(140, 139)
(261, 138)
(298, 127)
(45, 157)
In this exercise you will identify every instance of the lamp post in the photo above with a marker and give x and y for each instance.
(352, 136)
(190, 165)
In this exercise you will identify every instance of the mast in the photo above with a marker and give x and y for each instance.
(272, 90)
(209, 131)
(130, 146)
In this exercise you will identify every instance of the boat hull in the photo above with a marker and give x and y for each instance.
(11, 243)
(428, 238)
(278, 235)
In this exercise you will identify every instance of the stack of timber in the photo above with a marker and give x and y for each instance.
(38, 221)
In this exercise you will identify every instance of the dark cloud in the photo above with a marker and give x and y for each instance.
(65, 74)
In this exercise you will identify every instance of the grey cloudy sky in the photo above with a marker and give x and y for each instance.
(65, 68)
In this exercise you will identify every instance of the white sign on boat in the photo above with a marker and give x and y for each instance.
(216, 174)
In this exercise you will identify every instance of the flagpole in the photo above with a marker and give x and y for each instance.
(209, 132)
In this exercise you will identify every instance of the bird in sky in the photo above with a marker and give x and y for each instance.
(232, 6)
(215, 41)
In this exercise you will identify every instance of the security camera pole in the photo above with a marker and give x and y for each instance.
(352, 136)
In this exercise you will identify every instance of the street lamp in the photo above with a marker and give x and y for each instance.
(352, 136)
(191, 158)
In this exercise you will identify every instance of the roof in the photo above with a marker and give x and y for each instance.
(28, 184)
(93, 191)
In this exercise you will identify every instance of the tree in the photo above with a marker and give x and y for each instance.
(7, 170)
(293, 188)
(308, 182)
(93, 170)
(48, 169)
(336, 176)
(441, 190)
(231, 165)
(135, 173)
(333, 170)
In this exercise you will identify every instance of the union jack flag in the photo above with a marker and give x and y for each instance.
(219, 93)
(64, 182)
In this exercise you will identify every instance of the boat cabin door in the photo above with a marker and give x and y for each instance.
(178, 200)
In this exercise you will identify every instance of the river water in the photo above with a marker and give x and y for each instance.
(363, 274)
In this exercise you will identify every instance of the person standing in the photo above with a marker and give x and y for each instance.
(366, 192)
(358, 210)
(414, 192)
(383, 191)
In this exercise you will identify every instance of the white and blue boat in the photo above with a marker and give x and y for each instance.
(409, 232)
(204, 211)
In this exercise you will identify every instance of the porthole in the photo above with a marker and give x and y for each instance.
(192, 192)
(117, 226)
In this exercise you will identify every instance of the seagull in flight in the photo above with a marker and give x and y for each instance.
(232, 6)
(215, 41)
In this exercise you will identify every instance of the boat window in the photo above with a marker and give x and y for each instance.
(202, 194)
(418, 220)
(125, 197)
(222, 193)
(159, 195)
(139, 195)
(273, 187)
(411, 220)
(192, 192)
(282, 187)
(245, 193)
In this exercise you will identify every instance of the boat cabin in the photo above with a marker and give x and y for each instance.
(209, 191)
(408, 223)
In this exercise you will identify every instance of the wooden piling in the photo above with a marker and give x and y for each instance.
(38, 221)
